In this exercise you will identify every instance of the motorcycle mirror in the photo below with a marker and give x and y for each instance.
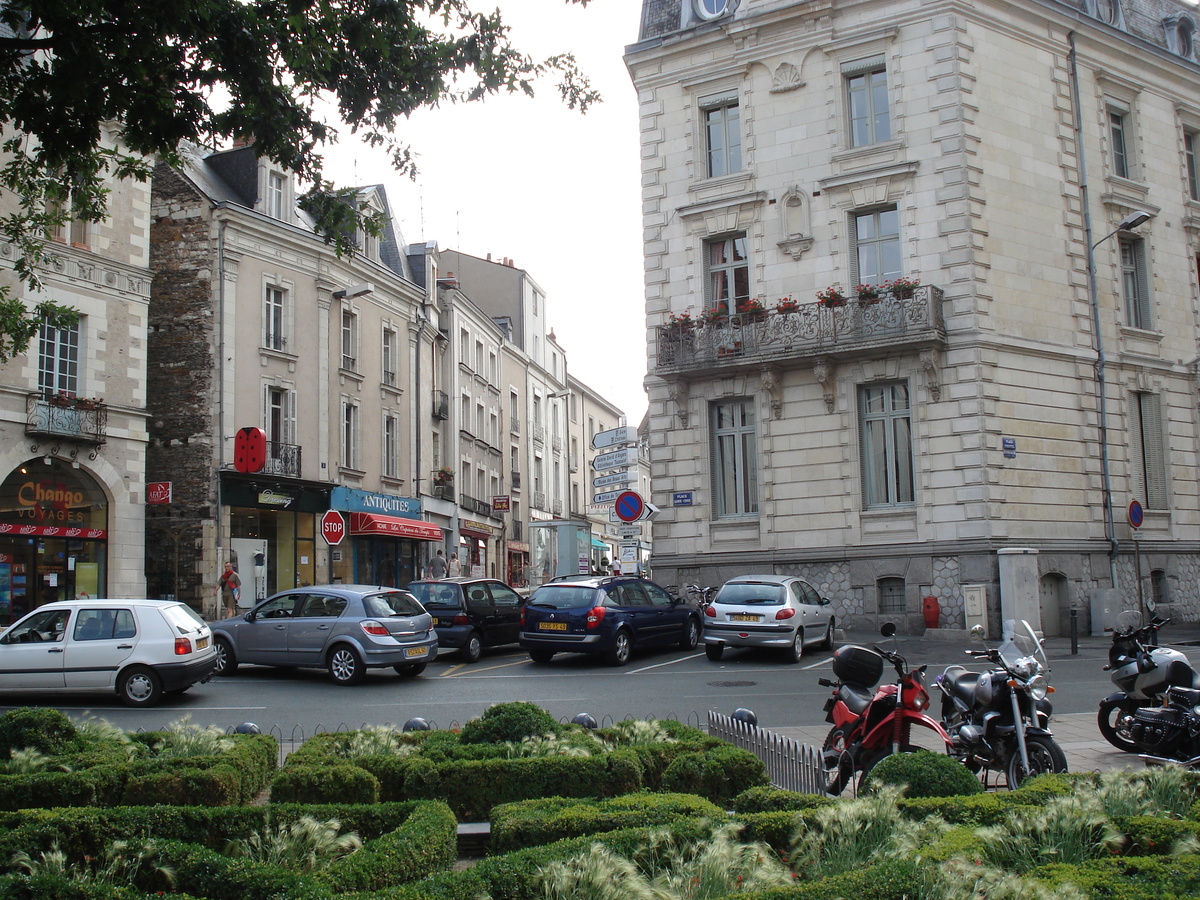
(888, 629)
(977, 632)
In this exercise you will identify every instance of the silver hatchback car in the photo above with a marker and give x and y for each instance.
(345, 628)
(768, 611)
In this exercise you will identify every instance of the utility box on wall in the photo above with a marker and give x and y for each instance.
(975, 605)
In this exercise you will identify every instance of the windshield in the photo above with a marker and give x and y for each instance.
(564, 596)
(394, 603)
(435, 596)
(746, 592)
(1021, 641)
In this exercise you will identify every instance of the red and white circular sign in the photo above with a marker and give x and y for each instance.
(333, 527)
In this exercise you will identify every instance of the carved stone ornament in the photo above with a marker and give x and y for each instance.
(785, 78)
(823, 370)
(931, 361)
(770, 383)
(678, 392)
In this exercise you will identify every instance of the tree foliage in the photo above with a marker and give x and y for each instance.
(92, 90)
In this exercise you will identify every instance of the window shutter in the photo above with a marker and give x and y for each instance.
(1154, 452)
(1143, 282)
(289, 417)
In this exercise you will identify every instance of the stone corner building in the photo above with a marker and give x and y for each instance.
(968, 165)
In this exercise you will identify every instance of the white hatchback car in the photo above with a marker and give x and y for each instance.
(138, 649)
(774, 611)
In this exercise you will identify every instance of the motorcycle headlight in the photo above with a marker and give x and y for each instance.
(1037, 687)
(1025, 668)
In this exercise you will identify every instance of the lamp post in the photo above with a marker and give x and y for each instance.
(1131, 221)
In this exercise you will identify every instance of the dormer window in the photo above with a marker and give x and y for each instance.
(712, 9)
(1108, 11)
(276, 191)
(1180, 31)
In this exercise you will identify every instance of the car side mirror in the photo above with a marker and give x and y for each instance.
(250, 616)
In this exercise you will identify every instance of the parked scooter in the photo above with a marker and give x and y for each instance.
(871, 723)
(999, 720)
(1143, 673)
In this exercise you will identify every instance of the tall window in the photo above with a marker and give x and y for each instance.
(58, 360)
(728, 271)
(1150, 450)
(877, 246)
(867, 102)
(273, 319)
(734, 460)
(389, 356)
(349, 340)
(1189, 152)
(280, 415)
(1135, 283)
(722, 134)
(391, 445)
(885, 420)
(349, 435)
(276, 187)
(1117, 131)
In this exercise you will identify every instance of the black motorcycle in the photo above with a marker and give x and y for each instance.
(1170, 733)
(999, 719)
(1143, 673)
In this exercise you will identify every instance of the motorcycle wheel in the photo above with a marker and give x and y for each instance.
(839, 767)
(1044, 756)
(1109, 719)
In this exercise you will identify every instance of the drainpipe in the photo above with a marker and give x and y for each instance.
(220, 378)
(1097, 338)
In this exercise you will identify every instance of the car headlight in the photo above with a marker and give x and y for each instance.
(1037, 687)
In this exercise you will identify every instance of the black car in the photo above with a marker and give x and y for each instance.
(608, 616)
(471, 613)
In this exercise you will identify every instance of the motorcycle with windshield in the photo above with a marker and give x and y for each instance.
(871, 723)
(1143, 672)
(998, 720)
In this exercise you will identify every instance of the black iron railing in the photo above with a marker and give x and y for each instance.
(67, 417)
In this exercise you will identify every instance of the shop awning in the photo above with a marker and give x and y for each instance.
(373, 523)
(598, 544)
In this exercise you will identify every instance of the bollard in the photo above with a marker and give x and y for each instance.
(1074, 632)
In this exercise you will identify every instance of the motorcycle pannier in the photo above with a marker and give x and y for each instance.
(857, 665)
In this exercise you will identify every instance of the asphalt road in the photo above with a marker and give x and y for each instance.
(294, 704)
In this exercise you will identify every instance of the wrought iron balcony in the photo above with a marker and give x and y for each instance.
(74, 418)
(514, 426)
(539, 433)
(474, 505)
(444, 491)
(514, 478)
(556, 507)
(282, 459)
(539, 500)
(517, 531)
(441, 405)
(895, 321)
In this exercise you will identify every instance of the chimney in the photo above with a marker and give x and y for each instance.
(448, 282)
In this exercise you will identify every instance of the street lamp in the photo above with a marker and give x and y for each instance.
(1131, 221)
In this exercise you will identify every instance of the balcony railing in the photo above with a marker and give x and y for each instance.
(67, 417)
(275, 342)
(556, 507)
(349, 363)
(514, 478)
(895, 321)
(517, 531)
(514, 426)
(282, 459)
(474, 505)
(539, 433)
(539, 500)
(441, 405)
(444, 491)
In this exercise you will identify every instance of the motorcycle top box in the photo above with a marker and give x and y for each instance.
(857, 665)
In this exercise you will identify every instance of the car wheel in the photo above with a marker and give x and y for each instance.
(139, 686)
(827, 644)
(714, 651)
(622, 646)
(226, 661)
(345, 665)
(410, 670)
(472, 649)
(691, 635)
(541, 656)
(796, 651)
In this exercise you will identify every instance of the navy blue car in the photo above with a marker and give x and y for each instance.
(606, 616)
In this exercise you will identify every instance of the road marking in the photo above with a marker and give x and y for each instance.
(480, 702)
(669, 662)
(455, 670)
(819, 662)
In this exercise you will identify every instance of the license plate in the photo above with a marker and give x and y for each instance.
(744, 617)
(552, 626)
(415, 651)
(446, 622)
(201, 643)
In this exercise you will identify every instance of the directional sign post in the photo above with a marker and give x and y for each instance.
(614, 437)
(617, 459)
(614, 478)
(606, 496)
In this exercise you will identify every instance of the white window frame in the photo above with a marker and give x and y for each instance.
(391, 445)
(349, 339)
(276, 194)
(351, 434)
(1135, 281)
(733, 440)
(1120, 139)
(865, 87)
(279, 418)
(275, 317)
(721, 126)
(388, 355)
(888, 472)
(877, 245)
(58, 360)
(721, 277)
(1191, 136)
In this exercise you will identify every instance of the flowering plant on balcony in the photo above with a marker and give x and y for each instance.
(443, 476)
(63, 399)
(682, 323)
(867, 293)
(753, 308)
(831, 296)
(714, 316)
(902, 287)
(787, 305)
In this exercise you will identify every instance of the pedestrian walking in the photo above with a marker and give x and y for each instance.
(229, 586)
(436, 570)
(455, 566)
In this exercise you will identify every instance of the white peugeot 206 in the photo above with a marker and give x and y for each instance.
(137, 649)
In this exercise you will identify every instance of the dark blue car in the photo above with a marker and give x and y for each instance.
(606, 616)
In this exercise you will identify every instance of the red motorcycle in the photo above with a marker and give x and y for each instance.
(872, 723)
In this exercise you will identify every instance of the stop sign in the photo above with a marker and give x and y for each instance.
(333, 527)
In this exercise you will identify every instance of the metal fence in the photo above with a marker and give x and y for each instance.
(790, 764)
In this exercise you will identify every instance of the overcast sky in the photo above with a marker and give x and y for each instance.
(555, 191)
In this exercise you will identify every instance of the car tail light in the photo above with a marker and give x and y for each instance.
(785, 613)
(710, 612)
(370, 626)
(183, 646)
(522, 617)
(595, 616)
(461, 619)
